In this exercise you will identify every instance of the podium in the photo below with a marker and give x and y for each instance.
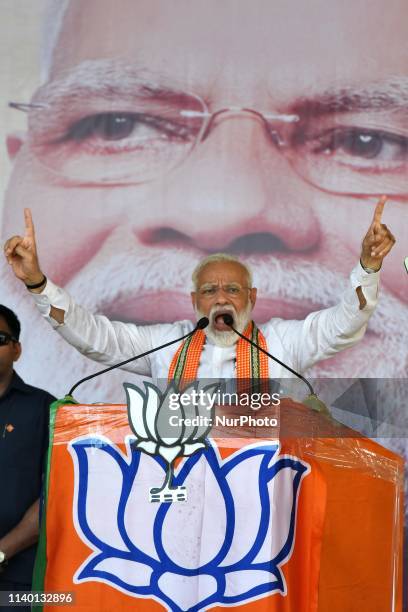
(308, 519)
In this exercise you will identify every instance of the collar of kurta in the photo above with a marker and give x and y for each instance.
(251, 363)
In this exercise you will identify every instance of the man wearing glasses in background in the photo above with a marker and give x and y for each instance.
(23, 443)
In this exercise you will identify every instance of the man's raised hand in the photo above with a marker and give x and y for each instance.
(21, 253)
(378, 241)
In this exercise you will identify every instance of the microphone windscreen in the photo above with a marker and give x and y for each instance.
(202, 323)
(228, 320)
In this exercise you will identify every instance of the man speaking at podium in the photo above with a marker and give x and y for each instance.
(222, 284)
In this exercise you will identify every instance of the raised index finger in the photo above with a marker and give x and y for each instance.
(29, 225)
(379, 210)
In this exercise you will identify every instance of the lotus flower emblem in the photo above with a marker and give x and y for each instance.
(166, 427)
(191, 556)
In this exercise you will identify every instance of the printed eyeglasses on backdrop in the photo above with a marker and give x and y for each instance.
(102, 144)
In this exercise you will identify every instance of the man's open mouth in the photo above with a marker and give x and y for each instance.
(217, 319)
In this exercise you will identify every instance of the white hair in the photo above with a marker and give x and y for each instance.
(216, 258)
(53, 17)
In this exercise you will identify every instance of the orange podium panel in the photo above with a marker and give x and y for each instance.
(305, 517)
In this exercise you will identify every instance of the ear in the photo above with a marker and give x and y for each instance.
(252, 295)
(17, 351)
(193, 298)
(14, 142)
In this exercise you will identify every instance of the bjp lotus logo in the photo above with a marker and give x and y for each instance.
(166, 426)
(198, 554)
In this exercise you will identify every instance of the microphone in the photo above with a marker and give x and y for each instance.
(201, 324)
(312, 400)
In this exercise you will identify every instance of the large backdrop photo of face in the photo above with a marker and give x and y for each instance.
(146, 134)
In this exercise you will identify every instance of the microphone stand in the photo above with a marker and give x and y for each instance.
(201, 324)
(311, 400)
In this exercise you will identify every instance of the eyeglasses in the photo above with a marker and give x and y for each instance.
(102, 144)
(6, 338)
(232, 290)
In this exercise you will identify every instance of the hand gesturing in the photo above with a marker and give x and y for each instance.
(21, 253)
(378, 241)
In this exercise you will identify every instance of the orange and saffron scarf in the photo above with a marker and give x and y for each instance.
(252, 364)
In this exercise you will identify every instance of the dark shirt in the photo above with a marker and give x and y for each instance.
(24, 412)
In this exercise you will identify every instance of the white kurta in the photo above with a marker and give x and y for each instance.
(300, 344)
